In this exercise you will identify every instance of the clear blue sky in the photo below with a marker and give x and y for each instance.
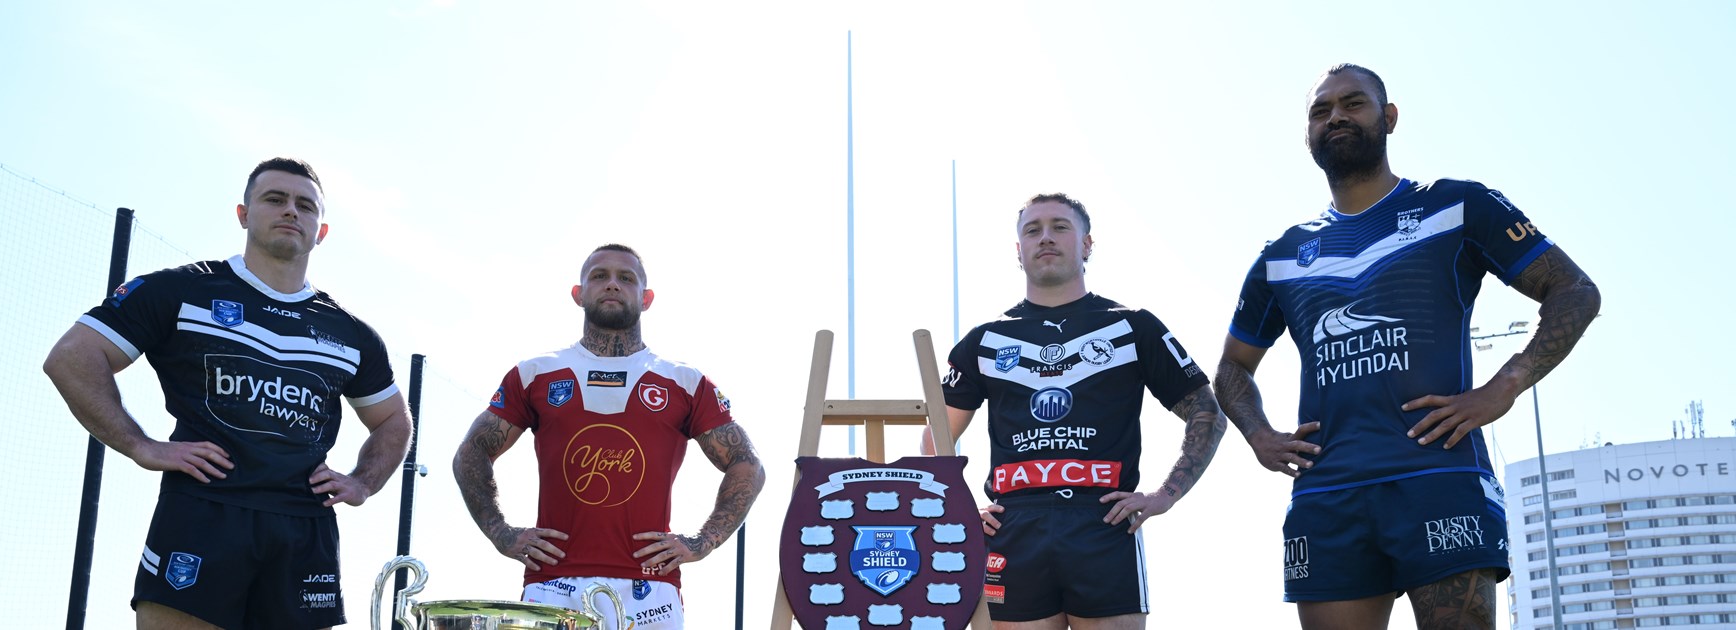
(473, 152)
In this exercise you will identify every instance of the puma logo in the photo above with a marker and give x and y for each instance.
(1057, 326)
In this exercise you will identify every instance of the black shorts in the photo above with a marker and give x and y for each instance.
(239, 568)
(1054, 554)
(1391, 537)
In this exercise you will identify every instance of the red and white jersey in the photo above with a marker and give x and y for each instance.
(610, 434)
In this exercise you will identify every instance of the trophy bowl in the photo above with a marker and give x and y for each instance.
(481, 614)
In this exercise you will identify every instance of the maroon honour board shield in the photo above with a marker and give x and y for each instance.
(895, 545)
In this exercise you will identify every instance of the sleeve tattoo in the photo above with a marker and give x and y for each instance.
(730, 450)
(473, 469)
(1205, 428)
(1569, 301)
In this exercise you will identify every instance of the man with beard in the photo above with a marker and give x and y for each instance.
(1394, 492)
(1064, 374)
(252, 361)
(612, 421)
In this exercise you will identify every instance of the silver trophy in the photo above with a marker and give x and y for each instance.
(482, 614)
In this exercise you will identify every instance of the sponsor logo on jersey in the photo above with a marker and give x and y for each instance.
(278, 311)
(885, 558)
(1097, 352)
(1348, 345)
(1007, 358)
(1502, 199)
(1182, 359)
(124, 290)
(1409, 221)
(996, 563)
(602, 466)
(320, 578)
(561, 391)
(1054, 438)
(499, 399)
(1052, 353)
(952, 376)
(1056, 325)
(183, 570)
(324, 338)
(1454, 533)
(596, 378)
(311, 600)
(1055, 473)
(652, 615)
(226, 313)
(1051, 404)
(1308, 252)
(1296, 559)
(1520, 230)
(254, 395)
(722, 400)
(654, 397)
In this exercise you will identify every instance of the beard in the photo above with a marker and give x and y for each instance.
(620, 318)
(1353, 157)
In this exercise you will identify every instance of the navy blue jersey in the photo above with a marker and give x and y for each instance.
(1065, 386)
(1379, 304)
(257, 372)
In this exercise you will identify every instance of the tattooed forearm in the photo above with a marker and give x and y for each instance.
(1570, 300)
(728, 448)
(1240, 398)
(473, 469)
(1205, 428)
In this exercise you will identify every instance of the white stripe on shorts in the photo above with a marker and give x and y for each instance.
(149, 560)
(1139, 546)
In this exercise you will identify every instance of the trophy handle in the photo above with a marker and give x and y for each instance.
(591, 608)
(400, 610)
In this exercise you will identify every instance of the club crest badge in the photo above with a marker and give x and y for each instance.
(226, 313)
(1409, 221)
(882, 541)
(1307, 253)
(560, 392)
(654, 397)
(183, 570)
(1007, 358)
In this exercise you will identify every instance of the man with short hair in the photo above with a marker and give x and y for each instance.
(612, 421)
(1064, 374)
(1394, 490)
(252, 361)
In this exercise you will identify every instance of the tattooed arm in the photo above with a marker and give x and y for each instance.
(729, 449)
(1205, 428)
(473, 468)
(1276, 450)
(1569, 302)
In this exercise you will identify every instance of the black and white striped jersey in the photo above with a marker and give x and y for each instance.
(1064, 386)
(255, 371)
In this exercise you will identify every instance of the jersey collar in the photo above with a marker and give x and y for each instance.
(239, 266)
(1339, 216)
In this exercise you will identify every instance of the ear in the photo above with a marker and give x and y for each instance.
(576, 289)
(1087, 253)
(241, 214)
(649, 295)
(320, 237)
(1391, 117)
(1019, 254)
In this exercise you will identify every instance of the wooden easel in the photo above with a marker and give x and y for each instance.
(874, 416)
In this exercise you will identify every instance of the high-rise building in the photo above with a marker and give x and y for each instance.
(1645, 536)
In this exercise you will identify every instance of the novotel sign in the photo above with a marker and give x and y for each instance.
(1618, 475)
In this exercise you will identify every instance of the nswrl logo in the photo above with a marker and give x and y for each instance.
(885, 558)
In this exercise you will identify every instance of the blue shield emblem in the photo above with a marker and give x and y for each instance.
(1007, 358)
(885, 558)
(183, 570)
(1307, 252)
(1051, 403)
(641, 589)
(226, 313)
(560, 392)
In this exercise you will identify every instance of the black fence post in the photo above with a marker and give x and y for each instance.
(407, 502)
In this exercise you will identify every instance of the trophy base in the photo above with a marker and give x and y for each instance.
(478, 614)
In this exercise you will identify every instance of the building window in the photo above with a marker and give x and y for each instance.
(1564, 494)
(1528, 481)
